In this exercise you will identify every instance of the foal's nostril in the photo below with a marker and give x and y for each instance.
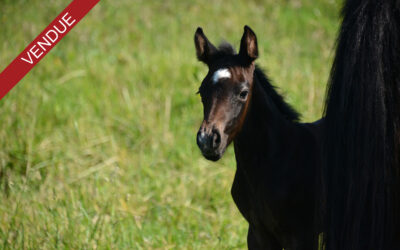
(216, 139)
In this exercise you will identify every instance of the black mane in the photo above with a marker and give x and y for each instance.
(284, 108)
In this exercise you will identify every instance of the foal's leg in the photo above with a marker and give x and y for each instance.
(257, 242)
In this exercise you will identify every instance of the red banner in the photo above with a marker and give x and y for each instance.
(46, 40)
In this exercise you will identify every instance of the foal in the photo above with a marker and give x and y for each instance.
(274, 186)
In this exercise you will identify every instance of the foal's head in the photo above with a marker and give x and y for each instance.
(225, 91)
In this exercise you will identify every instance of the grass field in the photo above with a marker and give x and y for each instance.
(97, 142)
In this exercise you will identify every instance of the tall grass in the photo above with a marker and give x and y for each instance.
(97, 142)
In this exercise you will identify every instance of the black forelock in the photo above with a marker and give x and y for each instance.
(225, 48)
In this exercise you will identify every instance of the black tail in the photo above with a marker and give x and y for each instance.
(362, 149)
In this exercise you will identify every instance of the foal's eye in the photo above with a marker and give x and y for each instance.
(243, 94)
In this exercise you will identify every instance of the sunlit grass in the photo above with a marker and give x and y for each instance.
(97, 142)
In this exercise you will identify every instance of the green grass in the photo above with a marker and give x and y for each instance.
(97, 142)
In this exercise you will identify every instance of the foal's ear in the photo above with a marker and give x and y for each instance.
(248, 45)
(204, 48)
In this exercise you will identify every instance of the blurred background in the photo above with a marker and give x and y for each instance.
(97, 142)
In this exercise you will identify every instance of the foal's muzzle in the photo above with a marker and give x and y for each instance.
(209, 144)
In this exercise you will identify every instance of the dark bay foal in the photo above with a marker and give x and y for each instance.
(277, 157)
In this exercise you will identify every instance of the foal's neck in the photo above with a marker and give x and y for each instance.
(265, 128)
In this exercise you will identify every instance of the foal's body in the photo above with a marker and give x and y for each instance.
(277, 157)
(276, 167)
